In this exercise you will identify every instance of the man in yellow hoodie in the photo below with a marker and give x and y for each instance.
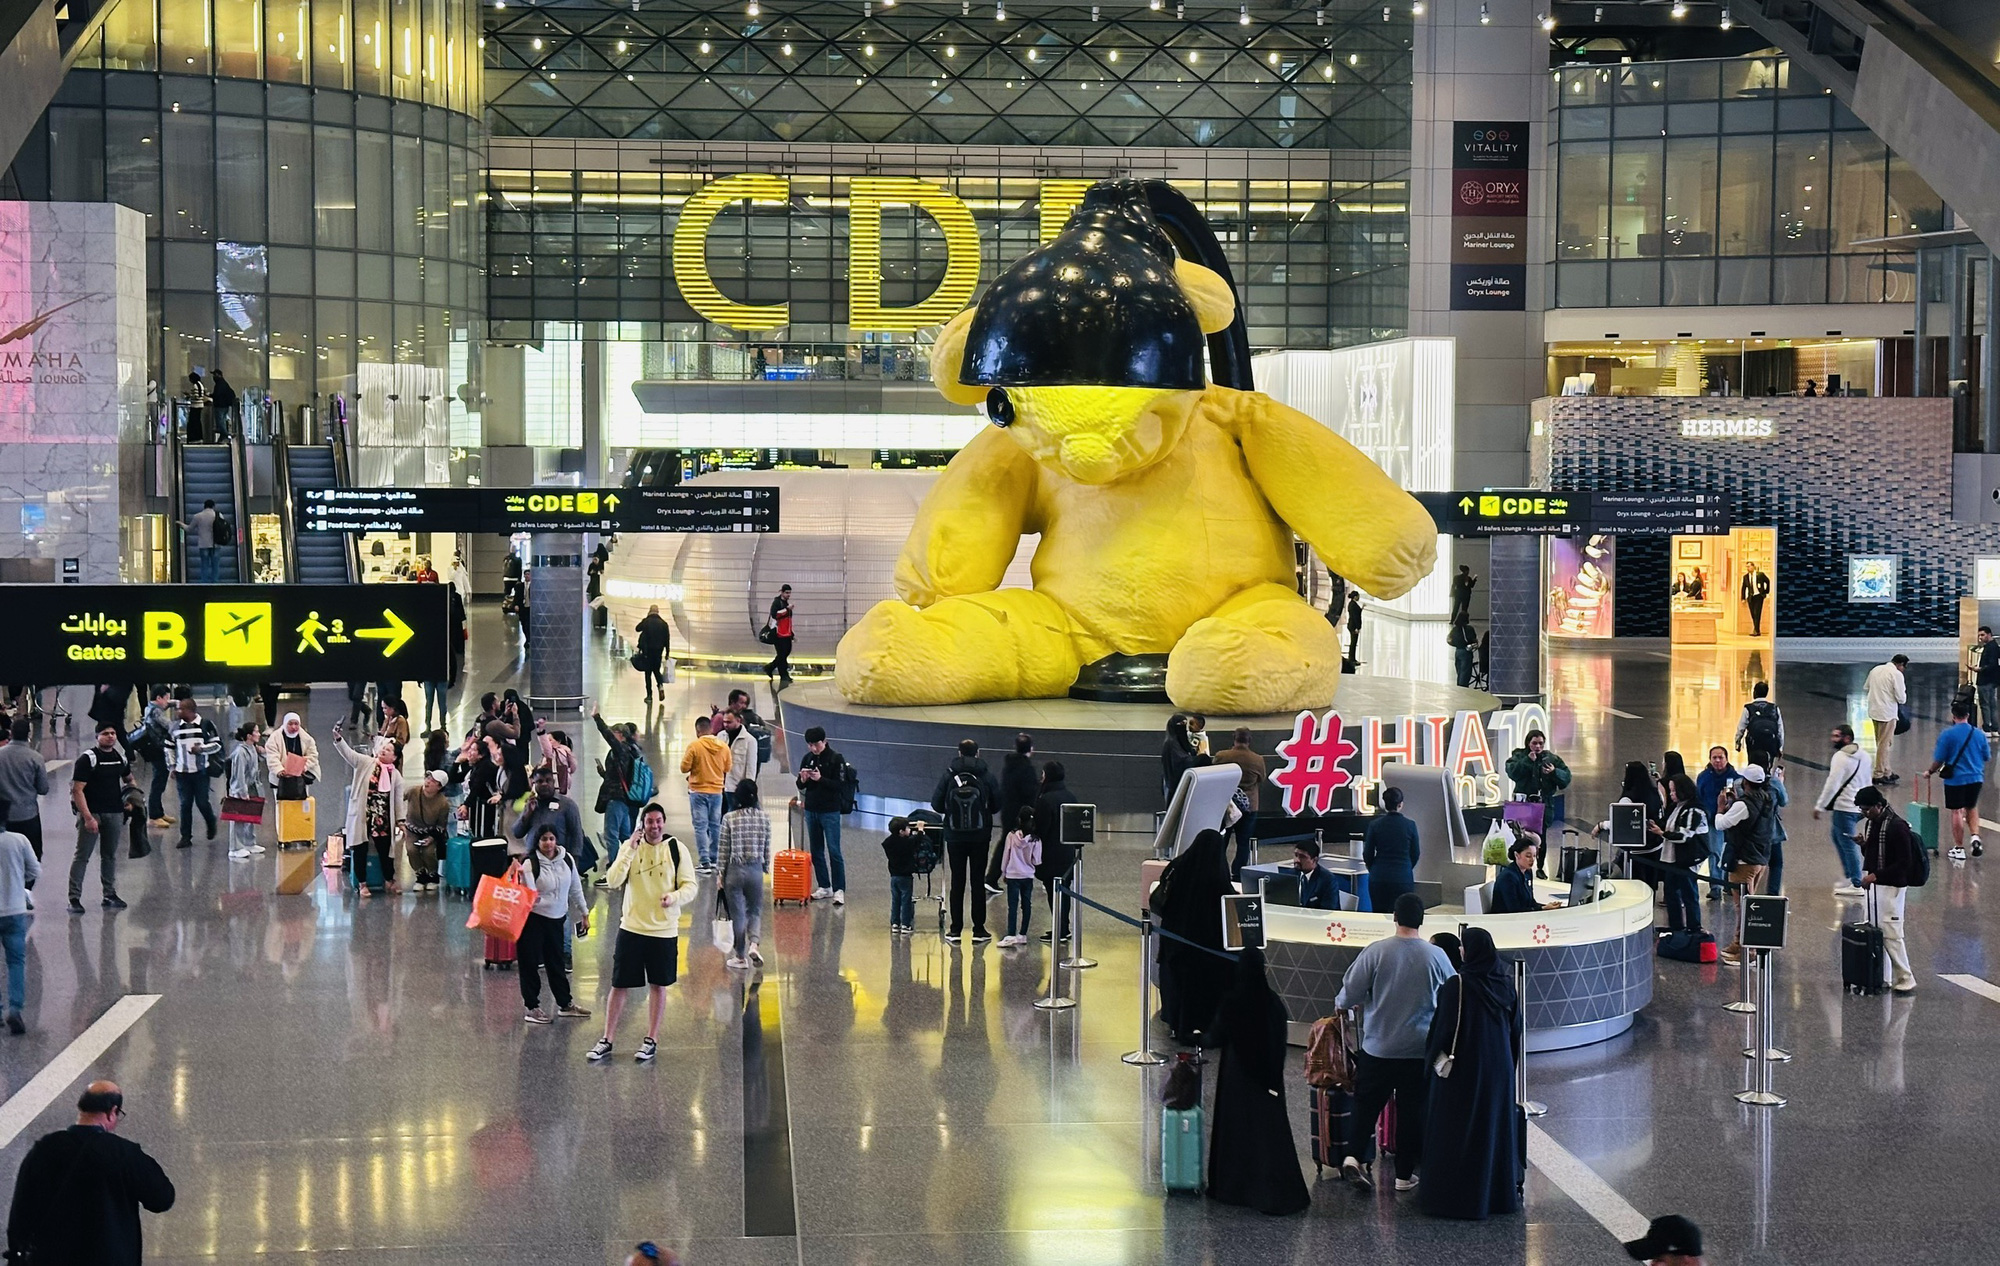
(706, 764)
(659, 881)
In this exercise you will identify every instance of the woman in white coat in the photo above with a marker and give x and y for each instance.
(290, 740)
(374, 808)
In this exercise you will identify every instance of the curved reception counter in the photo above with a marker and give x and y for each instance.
(1590, 968)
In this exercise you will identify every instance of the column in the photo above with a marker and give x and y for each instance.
(1514, 597)
(555, 623)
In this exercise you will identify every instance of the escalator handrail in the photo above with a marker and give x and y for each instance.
(176, 502)
(239, 492)
(281, 477)
(343, 477)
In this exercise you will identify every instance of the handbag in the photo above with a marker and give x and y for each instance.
(293, 766)
(1949, 770)
(243, 809)
(1442, 1064)
(501, 907)
(1902, 718)
(768, 635)
(720, 929)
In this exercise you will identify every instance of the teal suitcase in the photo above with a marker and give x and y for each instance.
(458, 865)
(1923, 815)
(1181, 1140)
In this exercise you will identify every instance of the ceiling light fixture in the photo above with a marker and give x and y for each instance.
(1598, 17)
(621, 46)
(704, 46)
(1417, 9)
(1093, 17)
(787, 50)
(951, 50)
(1485, 14)
(999, 10)
(868, 50)
(1319, 17)
(753, 10)
(1112, 55)
(1727, 21)
(1548, 21)
(1680, 9)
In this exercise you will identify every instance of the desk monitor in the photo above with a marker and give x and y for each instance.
(1628, 826)
(1583, 888)
(1282, 889)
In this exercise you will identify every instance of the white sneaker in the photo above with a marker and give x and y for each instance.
(239, 853)
(734, 963)
(1956, 854)
(756, 955)
(821, 894)
(840, 898)
(256, 848)
(1848, 890)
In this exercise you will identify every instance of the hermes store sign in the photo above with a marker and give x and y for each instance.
(1728, 428)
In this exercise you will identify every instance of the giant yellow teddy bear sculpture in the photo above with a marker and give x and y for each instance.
(1166, 505)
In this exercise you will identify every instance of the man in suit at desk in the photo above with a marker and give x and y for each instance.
(1316, 887)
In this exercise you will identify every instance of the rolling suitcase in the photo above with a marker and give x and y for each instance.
(791, 877)
(1330, 1110)
(1181, 1140)
(1923, 813)
(458, 865)
(500, 953)
(1385, 1127)
(1861, 958)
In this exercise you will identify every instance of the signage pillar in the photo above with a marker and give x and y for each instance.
(1514, 598)
(555, 620)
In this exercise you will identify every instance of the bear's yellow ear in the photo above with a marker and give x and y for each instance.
(1214, 303)
(947, 356)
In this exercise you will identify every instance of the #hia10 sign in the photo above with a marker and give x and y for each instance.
(1320, 759)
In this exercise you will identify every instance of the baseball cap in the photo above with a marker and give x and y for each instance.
(1671, 1234)
(1752, 773)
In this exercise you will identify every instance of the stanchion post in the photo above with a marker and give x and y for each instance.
(1528, 1106)
(1054, 1001)
(1745, 1005)
(1145, 1056)
(1762, 1095)
(1076, 959)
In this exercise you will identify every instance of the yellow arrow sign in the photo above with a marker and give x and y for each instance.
(1465, 505)
(611, 501)
(395, 634)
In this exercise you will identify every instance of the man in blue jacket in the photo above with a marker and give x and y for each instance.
(1716, 775)
(1960, 756)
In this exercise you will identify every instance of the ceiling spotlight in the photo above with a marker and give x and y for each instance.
(1327, 70)
(1319, 17)
(965, 8)
(1485, 15)
(537, 43)
(1354, 59)
(888, 4)
(1598, 16)
(1548, 21)
(787, 50)
(1034, 54)
(1727, 21)
(868, 50)
(1112, 56)
(1180, 11)
(753, 10)
(1093, 13)
(951, 50)
(704, 46)
(1680, 10)
(867, 8)
(1243, 16)
(999, 10)
(1417, 9)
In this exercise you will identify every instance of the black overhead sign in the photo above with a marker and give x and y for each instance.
(87, 634)
(1539, 512)
(683, 508)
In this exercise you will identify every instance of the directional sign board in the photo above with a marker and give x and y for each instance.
(1508, 512)
(1538, 512)
(86, 634)
(682, 508)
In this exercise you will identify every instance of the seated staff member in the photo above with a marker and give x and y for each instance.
(1514, 886)
(1316, 886)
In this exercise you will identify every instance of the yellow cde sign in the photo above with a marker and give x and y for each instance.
(866, 197)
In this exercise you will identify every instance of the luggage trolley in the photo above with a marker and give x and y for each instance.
(930, 851)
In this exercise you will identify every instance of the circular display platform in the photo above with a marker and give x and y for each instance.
(1111, 750)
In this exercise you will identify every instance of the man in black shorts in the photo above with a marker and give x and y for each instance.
(1960, 756)
(657, 873)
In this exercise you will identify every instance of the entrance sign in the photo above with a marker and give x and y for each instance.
(89, 634)
(1243, 922)
(682, 508)
(1764, 922)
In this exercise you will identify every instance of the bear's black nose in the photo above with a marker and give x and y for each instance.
(999, 409)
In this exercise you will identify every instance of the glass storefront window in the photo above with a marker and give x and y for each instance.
(188, 158)
(1689, 207)
(287, 40)
(184, 36)
(1745, 219)
(239, 44)
(333, 185)
(1583, 202)
(1801, 194)
(240, 176)
(288, 181)
(332, 35)
(128, 38)
(1635, 200)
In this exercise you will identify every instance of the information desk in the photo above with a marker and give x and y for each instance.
(1590, 969)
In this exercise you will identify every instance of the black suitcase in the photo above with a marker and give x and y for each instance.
(1331, 1112)
(1861, 954)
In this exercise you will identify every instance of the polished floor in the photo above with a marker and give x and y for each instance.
(335, 1080)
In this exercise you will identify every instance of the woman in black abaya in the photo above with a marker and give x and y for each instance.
(1188, 900)
(1252, 1158)
(1472, 1141)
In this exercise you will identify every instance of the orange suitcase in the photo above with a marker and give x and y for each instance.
(791, 877)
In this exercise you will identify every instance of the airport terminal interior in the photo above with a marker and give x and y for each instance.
(1439, 395)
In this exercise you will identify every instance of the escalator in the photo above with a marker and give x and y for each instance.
(315, 558)
(213, 472)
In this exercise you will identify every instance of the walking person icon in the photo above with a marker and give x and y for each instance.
(309, 631)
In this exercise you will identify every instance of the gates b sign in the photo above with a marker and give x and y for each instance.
(87, 634)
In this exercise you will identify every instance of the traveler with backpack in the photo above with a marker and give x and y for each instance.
(1395, 982)
(1959, 760)
(207, 533)
(625, 781)
(777, 633)
(1893, 862)
(824, 780)
(1762, 725)
(1847, 772)
(148, 741)
(657, 873)
(559, 900)
(1747, 818)
(706, 764)
(742, 755)
(968, 797)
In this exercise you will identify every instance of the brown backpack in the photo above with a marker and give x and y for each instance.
(1329, 1066)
